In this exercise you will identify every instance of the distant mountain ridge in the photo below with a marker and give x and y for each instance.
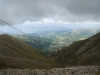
(51, 40)
(84, 52)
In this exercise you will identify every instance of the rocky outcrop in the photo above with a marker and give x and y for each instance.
(78, 70)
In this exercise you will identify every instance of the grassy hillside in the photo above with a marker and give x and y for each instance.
(17, 54)
(13, 47)
(84, 52)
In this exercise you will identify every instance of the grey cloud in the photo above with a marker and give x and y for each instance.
(82, 9)
(21, 10)
(18, 11)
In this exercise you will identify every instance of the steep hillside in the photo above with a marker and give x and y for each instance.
(17, 54)
(10, 46)
(84, 52)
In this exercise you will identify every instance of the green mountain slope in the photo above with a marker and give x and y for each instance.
(84, 52)
(17, 54)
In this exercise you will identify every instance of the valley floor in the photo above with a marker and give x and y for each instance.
(77, 70)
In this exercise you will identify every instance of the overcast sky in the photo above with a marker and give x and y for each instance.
(54, 11)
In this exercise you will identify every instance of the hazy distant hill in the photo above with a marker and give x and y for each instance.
(84, 52)
(17, 54)
(51, 40)
(40, 43)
